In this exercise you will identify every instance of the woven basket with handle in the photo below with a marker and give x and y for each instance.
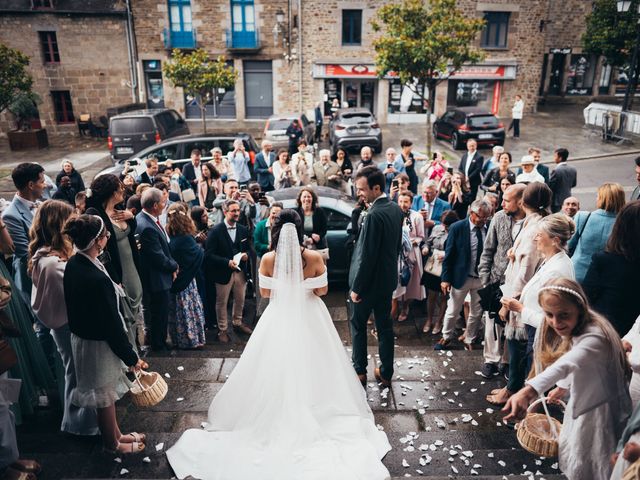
(148, 389)
(538, 433)
(632, 472)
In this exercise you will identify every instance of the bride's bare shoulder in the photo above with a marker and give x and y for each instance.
(314, 261)
(266, 263)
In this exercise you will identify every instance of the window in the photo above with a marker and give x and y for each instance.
(49, 43)
(258, 88)
(243, 15)
(42, 3)
(336, 220)
(167, 152)
(351, 27)
(180, 15)
(62, 106)
(495, 30)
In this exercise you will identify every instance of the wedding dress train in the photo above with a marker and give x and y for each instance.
(293, 407)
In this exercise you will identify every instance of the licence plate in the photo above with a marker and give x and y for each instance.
(124, 149)
(484, 136)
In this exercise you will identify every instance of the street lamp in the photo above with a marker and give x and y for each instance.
(623, 6)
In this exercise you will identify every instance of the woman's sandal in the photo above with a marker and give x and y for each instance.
(29, 466)
(136, 437)
(492, 399)
(13, 474)
(125, 448)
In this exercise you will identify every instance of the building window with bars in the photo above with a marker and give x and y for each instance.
(62, 106)
(49, 44)
(495, 30)
(351, 27)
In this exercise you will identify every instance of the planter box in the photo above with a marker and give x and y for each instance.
(28, 140)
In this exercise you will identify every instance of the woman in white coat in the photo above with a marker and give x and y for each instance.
(581, 353)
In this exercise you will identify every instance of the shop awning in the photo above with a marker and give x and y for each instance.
(367, 70)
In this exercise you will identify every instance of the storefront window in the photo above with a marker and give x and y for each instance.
(402, 99)
(471, 93)
(580, 75)
(332, 96)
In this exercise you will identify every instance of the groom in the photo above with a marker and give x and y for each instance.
(373, 275)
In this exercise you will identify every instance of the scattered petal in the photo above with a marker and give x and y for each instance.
(124, 471)
(117, 460)
(146, 460)
(159, 447)
(405, 464)
(180, 368)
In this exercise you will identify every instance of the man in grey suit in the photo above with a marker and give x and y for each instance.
(562, 179)
(373, 275)
(18, 217)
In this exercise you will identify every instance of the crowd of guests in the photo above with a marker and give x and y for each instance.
(502, 257)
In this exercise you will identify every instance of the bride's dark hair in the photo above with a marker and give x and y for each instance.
(287, 215)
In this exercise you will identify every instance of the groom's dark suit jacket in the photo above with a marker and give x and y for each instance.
(374, 265)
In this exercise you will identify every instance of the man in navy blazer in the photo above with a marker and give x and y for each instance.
(191, 171)
(471, 165)
(149, 175)
(225, 242)
(158, 269)
(429, 205)
(460, 276)
(263, 166)
(29, 181)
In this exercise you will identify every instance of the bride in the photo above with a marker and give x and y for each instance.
(293, 407)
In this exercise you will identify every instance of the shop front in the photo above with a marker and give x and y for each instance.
(347, 85)
(479, 86)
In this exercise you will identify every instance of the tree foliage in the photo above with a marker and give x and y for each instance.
(423, 42)
(15, 80)
(199, 76)
(610, 33)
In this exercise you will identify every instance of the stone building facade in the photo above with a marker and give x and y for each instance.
(78, 57)
(289, 54)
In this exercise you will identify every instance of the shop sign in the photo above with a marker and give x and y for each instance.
(561, 51)
(485, 72)
(344, 71)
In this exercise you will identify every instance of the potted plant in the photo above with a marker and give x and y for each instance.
(29, 134)
(16, 96)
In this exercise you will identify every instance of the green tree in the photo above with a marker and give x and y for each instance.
(423, 42)
(612, 34)
(199, 76)
(15, 80)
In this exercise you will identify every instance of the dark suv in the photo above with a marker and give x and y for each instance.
(178, 150)
(131, 132)
(460, 124)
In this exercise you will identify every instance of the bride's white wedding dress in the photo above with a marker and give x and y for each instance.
(293, 407)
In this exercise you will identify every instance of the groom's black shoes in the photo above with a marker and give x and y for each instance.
(363, 379)
(242, 328)
(382, 381)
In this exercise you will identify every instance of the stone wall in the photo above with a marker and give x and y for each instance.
(94, 65)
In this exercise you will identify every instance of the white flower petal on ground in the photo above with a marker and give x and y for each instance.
(180, 368)
(117, 460)
(405, 464)
(167, 375)
(159, 447)
(146, 460)
(124, 471)
(502, 463)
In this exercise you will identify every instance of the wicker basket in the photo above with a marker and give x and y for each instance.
(149, 389)
(633, 472)
(538, 433)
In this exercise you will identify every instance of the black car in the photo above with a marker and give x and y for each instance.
(131, 132)
(460, 124)
(178, 150)
(338, 207)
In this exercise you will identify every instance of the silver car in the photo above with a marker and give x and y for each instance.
(354, 128)
(275, 130)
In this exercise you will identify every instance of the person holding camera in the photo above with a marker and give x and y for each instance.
(239, 159)
(492, 180)
(399, 185)
(460, 196)
(391, 167)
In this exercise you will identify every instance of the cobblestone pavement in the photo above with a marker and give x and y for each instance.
(435, 407)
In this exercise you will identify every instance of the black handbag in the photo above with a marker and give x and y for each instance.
(490, 297)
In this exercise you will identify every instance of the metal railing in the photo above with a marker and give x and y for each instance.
(179, 39)
(243, 39)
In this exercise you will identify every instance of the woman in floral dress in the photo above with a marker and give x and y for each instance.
(187, 331)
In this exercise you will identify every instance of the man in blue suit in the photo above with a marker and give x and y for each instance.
(263, 168)
(29, 180)
(192, 170)
(460, 276)
(429, 205)
(158, 269)
(391, 167)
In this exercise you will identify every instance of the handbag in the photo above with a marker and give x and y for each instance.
(405, 270)
(433, 266)
(188, 195)
(8, 357)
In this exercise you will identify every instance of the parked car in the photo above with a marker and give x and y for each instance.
(354, 128)
(276, 127)
(338, 207)
(178, 150)
(131, 132)
(460, 124)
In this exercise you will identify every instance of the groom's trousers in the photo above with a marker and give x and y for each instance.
(381, 307)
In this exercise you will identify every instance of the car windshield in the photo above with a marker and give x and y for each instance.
(483, 121)
(355, 118)
(279, 124)
(123, 126)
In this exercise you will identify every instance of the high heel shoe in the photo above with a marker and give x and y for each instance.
(437, 329)
(427, 327)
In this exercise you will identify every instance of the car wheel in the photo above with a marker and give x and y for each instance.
(455, 141)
